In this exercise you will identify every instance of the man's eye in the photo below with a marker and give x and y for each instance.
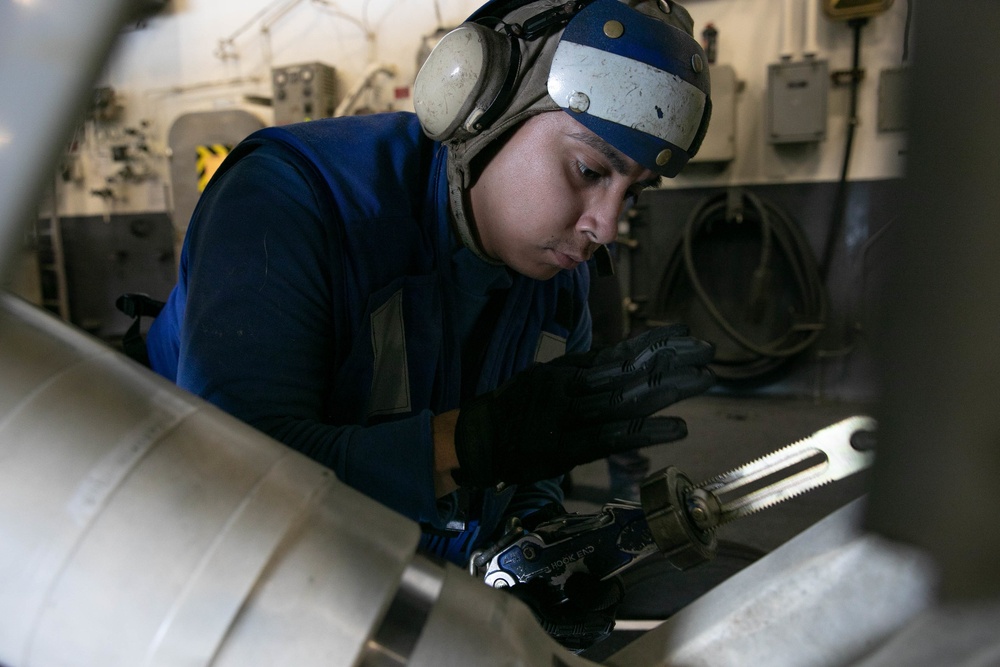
(632, 196)
(587, 172)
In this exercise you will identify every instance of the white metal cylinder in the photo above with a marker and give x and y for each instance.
(142, 526)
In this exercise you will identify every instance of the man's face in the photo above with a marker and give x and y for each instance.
(552, 194)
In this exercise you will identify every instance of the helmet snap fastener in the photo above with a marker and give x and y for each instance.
(579, 102)
(663, 157)
(614, 29)
(664, 6)
(697, 64)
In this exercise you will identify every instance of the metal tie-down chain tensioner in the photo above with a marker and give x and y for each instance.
(675, 517)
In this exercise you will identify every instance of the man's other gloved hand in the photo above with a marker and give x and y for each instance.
(551, 417)
(579, 615)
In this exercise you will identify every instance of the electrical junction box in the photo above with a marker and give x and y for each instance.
(719, 144)
(303, 92)
(797, 101)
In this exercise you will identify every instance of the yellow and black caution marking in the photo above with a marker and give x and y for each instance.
(209, 159)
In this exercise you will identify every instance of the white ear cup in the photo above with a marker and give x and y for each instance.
(460, 80)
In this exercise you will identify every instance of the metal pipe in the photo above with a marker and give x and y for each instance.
(811, 47)
(143, 526)
(788, 49)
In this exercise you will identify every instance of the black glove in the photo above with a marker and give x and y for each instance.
(551, 417)
(580, 614)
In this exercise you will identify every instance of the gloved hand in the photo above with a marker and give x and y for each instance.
(578, 616)
(578, 408)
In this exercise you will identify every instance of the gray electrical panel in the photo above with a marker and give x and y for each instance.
(719, 145)
(303, 92)
(797, 101)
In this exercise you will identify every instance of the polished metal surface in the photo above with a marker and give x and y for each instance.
(143, 526)
(397, 634)
(824, 599)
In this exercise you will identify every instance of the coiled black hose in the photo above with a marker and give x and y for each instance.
(782, 246)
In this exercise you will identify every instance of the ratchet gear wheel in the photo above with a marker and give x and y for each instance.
(666, 498)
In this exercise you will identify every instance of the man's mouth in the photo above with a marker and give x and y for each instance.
(566, 261)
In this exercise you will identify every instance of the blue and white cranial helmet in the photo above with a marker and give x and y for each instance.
(637, 82)
(629, 70)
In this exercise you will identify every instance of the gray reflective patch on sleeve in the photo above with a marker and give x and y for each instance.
(390, 377)
(550, 346)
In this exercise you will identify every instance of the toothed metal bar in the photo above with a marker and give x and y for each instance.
(836, 459)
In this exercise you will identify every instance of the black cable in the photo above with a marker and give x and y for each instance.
(840, 199)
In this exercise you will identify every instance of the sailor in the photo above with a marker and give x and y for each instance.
(403, 296)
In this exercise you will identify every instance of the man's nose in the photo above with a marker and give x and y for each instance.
(601, 221)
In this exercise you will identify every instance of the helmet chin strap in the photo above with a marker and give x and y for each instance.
(457, 186)
(470, 238)
(459, 169)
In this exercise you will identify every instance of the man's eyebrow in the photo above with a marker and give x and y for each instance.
(613, 156)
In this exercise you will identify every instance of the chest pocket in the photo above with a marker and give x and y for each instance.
(390, 393)
(395, 365)
(400, 351)
(550, 346)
